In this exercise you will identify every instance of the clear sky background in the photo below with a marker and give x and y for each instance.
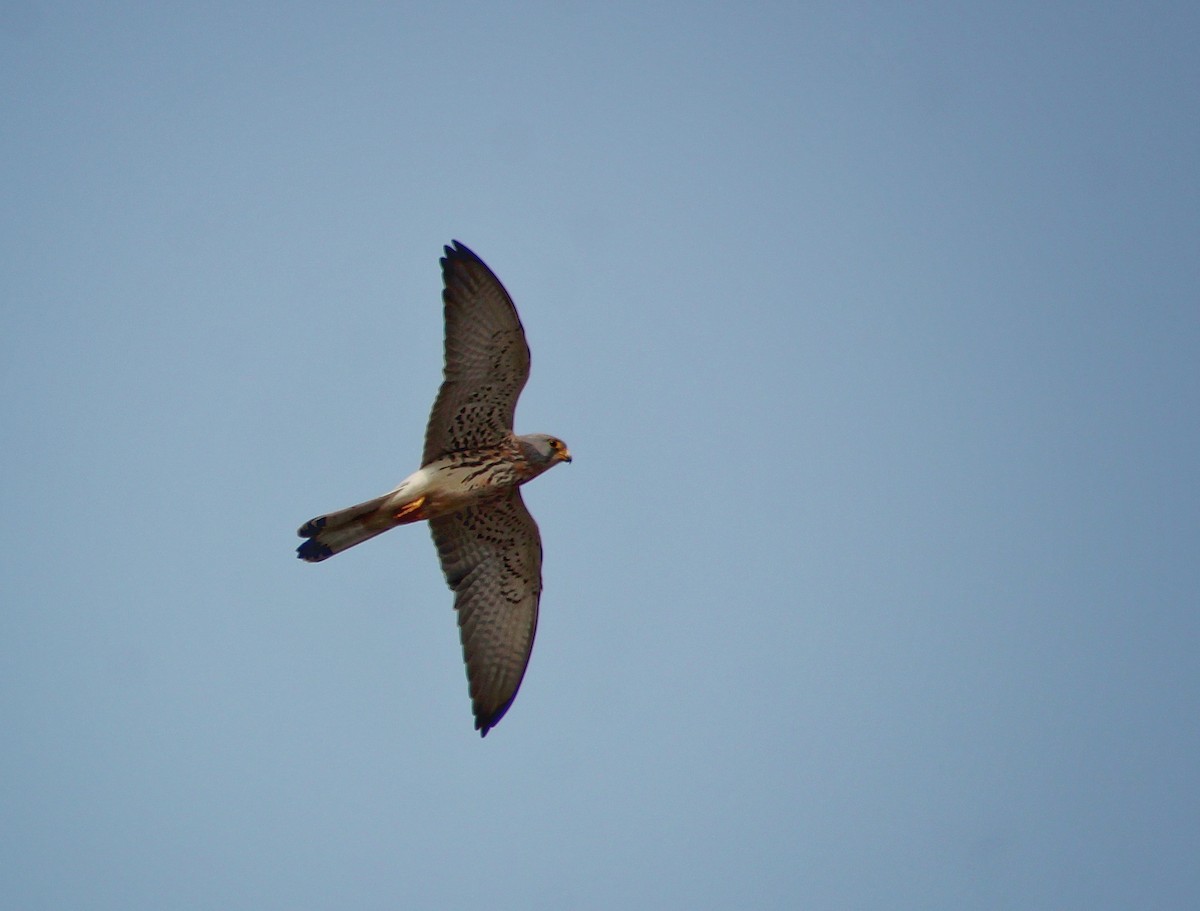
(873, 328)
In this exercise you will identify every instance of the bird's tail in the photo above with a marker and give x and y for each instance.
(331, 534)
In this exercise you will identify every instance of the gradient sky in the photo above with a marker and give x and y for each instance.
(874, 330)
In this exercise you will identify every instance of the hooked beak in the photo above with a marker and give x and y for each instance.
(564, 455)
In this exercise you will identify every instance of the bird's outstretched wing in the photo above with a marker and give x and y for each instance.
(491, 554)
(487, 359)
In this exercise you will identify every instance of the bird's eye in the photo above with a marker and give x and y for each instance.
(556, 444)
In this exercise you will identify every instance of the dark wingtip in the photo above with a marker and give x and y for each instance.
(484, 723)
(459, 250)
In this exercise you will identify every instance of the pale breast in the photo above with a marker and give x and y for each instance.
(460, 478)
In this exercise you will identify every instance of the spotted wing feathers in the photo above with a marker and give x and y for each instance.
(487, 359)
(492, 557)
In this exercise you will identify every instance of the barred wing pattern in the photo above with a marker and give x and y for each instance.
(492, 557)
(487, 359)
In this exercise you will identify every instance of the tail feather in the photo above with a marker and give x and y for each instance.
(331, 534)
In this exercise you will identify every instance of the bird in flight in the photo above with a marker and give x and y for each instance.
(468, 488)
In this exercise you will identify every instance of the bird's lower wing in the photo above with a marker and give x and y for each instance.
(491, 554)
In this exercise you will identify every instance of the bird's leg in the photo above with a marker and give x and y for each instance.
(411, 512)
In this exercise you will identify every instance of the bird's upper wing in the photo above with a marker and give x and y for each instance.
(491, 554)
(487, 359)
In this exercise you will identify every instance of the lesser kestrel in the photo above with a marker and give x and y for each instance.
(468, 487)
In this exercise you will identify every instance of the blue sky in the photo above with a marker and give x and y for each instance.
(873, 329)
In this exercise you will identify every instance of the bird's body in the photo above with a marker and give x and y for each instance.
(446, 485)
(467, 488)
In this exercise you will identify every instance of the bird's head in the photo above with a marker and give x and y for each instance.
(544, 451)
